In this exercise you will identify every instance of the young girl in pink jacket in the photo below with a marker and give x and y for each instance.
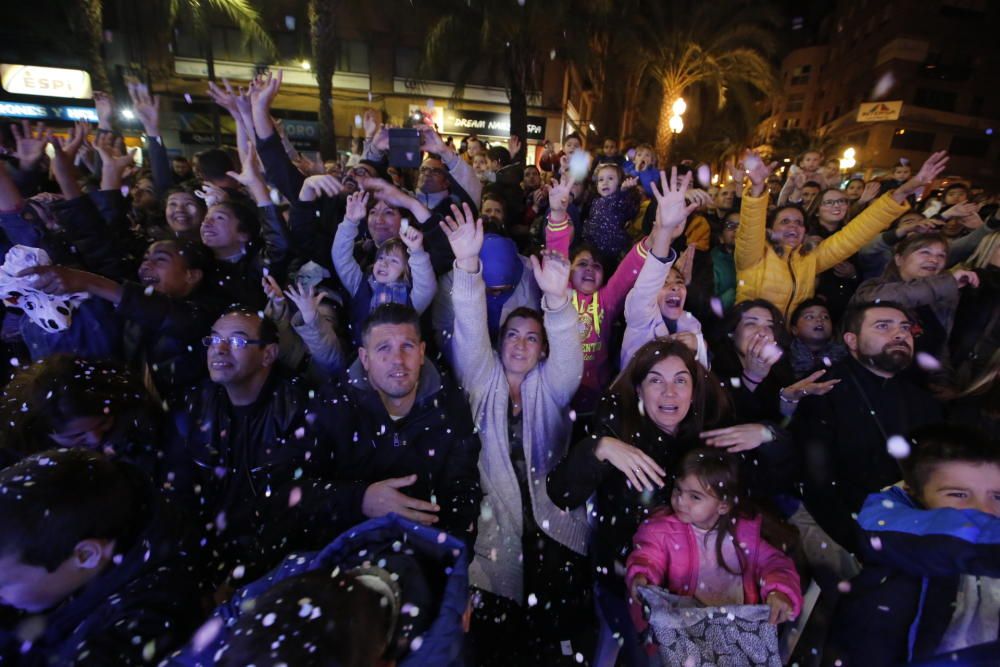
(708, 545)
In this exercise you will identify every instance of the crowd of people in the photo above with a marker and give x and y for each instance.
(268, 411)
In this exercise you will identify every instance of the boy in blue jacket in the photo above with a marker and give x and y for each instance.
(930, 590)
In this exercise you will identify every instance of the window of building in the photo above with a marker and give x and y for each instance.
(353, 57)
(912, 140)
(791, 123)
(407, 62)
(795, 103)
(800, 75)
(942, 100)
(969, 146)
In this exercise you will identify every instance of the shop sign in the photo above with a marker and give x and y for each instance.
(870, 112)
(45, 81)
(485, 123)
(47, 112)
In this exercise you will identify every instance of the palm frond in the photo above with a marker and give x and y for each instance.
(246, 18)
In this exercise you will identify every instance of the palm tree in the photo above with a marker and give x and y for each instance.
(509, 41)
(87, 18)
(198, 16)
(322, 24)
(719, 46)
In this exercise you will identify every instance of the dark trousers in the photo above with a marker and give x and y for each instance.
(556, 621)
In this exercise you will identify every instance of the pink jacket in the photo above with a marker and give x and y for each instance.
(598, 313)
(666, 553)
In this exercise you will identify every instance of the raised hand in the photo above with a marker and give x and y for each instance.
(114, 162)
(211, 194)
(870, 192)
(552, 276)
(307, 299)
(307, 167)
(962, 210)
(371, 122)
(357, 206)
(411, 237)
(758, 172)
(809, 386)
(385, 191)
(322, 185)
(272, 289)
(431, 142)
(68, 149)
(146, 107)
(251, 177)
(699, 197)
(224, 96)
(685, 264)
(560, 196)
(104, 106)
(672, 211)
(29, 145)
(465, 235)
(929, 171)
(762, 353)
(515, 146)
(629, 183)
(266, 89)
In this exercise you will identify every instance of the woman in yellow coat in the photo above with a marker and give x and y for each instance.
(774, 263)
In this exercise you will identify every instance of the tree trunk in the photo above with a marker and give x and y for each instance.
(664, 135)
(324, 53)
(516, 84)
(90, 19)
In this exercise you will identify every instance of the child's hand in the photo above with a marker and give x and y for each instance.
(307, 300)
(552, 276)
(272, 289)
(634, 586)
(630, 182)
(870, 192)
(672, 210)
(559, 194)
(781, 608)
(357, 206)
(412, 238)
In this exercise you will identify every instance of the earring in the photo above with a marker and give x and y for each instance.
(642, 408)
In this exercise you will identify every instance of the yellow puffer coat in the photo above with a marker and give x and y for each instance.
(788, 280)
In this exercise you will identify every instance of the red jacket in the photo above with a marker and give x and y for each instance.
(666, 553)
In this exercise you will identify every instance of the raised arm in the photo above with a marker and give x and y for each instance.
(473, 355)
(874, 219)
(460, 171)
(147, 108)
(421, 271)
(563, 369)
(558, 226)
(343, 243)
(751, 236)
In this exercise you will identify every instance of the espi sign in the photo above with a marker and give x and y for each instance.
(487, 124)
(45, 81)
(47, 112)
(870, 112)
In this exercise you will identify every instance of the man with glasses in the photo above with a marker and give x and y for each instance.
(249, 452)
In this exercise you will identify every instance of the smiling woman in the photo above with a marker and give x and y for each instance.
(915, 279)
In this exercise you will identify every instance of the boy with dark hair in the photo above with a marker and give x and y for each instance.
(83, 545)
(931, 583)
(813, 345)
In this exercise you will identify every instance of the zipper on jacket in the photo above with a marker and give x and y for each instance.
(791, 297)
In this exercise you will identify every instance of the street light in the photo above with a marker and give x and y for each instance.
(680, 106)
(676, 124)
(848, 160)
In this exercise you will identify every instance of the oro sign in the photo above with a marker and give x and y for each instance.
(870, 112)
(45, 81)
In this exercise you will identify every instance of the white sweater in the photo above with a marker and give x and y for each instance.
(545, 396)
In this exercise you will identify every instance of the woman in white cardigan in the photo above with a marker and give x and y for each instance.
(529, 570)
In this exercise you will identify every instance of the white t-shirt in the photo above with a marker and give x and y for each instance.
(717, 586)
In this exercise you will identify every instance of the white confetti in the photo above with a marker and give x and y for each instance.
(552, 54)
(844, 587)
(532, 599)
(187, 97)
(876, 543)
(579, 165)
(357, 120)
(239, 571)
(206, 634)
(294, 496)
(704, 175)
(269, 620)
(716, 304)
(898, 447)
(928, 362)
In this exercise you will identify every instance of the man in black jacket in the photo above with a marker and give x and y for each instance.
(405, 439)
(248, 453)
(86, 554)
(845, 434)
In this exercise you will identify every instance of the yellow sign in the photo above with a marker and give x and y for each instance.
(45, 81)
(870, 112)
